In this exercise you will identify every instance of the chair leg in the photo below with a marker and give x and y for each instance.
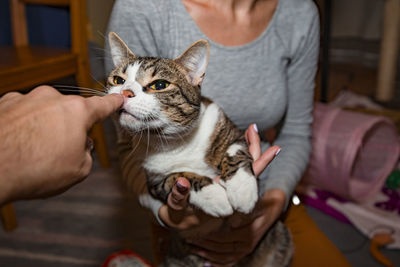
(100, 144)
(8, 217)
(389, 51)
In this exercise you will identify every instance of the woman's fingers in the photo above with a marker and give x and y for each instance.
(253, 139)
(218, 259)
(219, 247)
(262, 162)
(177, 200)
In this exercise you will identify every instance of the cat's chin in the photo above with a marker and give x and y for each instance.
(126, 119)
(129, 121)
(124, 115)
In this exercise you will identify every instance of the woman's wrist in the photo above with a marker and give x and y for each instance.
(274, 200)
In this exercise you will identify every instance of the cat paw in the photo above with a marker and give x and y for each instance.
(242, 191)
(212, 200)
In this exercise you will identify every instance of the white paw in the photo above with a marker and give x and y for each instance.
(212, 200)
(242, 191)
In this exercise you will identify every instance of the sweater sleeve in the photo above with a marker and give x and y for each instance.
(294, 136)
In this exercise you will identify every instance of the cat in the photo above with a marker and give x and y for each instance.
(188, 136)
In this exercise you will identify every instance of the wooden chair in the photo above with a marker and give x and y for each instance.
(23, 67)
(389, 53)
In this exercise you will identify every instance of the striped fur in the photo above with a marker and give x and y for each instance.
(187, 135)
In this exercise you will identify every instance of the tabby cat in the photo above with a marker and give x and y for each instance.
(189, 136)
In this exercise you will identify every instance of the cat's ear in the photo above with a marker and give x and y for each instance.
(195, 60)
(119, 50)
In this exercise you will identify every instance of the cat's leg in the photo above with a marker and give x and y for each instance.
(238, 178)
(205, 194)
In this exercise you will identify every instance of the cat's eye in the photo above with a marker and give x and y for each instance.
(159, 85)
(118, 80)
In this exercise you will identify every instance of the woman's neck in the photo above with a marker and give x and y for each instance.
(231, 22)
(236, 7)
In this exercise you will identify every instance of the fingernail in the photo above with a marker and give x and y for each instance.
(277, 152)
(181, 188)
(207, 264)
(255, 127)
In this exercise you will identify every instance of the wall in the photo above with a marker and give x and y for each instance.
(357, 18)
(98, 14)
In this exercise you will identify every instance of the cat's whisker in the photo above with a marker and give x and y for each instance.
(164, 137)
(88, 94)
(161, 137)
(159, 132)
(148, 140)
(81, 93)
(101, 35)
(137, 144)
(78, 87)
(67, 88)
(99, 83)
(180, 136)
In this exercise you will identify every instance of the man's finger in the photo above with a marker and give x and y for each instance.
(100, 108)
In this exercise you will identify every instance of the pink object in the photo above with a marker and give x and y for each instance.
(352, 153)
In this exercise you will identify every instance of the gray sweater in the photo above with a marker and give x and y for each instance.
(269, 81)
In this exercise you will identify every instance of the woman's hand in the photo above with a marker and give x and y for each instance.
(225, 248)
(179, 215)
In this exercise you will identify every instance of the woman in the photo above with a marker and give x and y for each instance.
(263, 60)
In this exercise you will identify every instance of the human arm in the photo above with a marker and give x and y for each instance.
(281, 176)
(294, 133)
(43, 141)
(279, 179)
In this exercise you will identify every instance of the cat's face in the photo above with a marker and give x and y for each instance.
(161, 95)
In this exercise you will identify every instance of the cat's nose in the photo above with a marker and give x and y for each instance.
(128, 93)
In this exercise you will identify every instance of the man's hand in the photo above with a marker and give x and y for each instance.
(43, 140)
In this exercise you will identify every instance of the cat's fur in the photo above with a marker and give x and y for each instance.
(191, 137)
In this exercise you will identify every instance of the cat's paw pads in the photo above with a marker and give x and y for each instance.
(242, 191)
(212, 199)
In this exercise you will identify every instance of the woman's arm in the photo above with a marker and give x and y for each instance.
(279, 179)
(295, 135)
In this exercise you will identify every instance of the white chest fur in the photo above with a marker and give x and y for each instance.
(191, 156)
